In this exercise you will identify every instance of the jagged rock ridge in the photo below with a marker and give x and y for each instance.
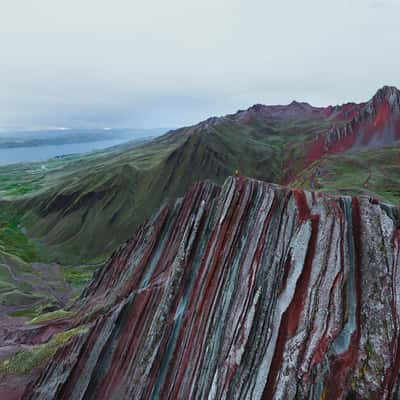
(249, 292)
(373, 124)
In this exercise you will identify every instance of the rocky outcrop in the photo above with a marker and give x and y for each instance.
(251, 291)
(375, 124)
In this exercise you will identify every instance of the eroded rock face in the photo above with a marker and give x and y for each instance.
(373, 124)
(251, 291)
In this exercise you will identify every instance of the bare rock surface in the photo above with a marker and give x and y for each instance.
(252, 291)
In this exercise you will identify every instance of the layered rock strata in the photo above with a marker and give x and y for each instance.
(251, 291)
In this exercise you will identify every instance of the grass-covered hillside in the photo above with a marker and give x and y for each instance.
(374, 172)
(80, 210)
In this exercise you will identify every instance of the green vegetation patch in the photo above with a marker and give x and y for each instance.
(51, 316)
(30, 312)
(18, 298)
(78, 277)
(373, 172)
(36, 310)
(12, 239)
(26, 360)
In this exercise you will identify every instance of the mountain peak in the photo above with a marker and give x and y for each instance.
(301, 104)
(388, 90)
(390, 94)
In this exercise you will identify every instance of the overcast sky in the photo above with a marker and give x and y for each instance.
(167, 63)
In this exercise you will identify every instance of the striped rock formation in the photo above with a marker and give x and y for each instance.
(251, 291)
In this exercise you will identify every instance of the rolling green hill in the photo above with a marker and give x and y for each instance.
(80, 210)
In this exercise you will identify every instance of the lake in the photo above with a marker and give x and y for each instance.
(42, 153)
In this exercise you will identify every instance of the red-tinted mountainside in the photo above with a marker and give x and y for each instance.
(373, 124)
(252, 291)
(352, 127)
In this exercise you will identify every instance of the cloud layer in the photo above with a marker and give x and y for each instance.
(158, 63)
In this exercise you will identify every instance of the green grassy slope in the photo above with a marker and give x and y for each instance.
(372, 172)
(84, 211)
(28, 286)
(24, 289)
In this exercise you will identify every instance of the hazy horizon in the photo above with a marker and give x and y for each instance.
(97, 64)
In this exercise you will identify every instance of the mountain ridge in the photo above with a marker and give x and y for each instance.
(375, 124)
(299, 108)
